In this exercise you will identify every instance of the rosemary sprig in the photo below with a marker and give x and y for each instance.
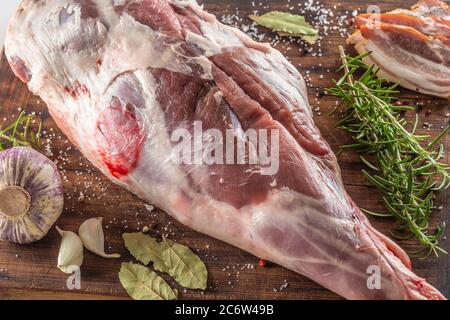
(407, 173)
(18, 133)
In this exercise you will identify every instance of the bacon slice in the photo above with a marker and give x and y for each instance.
(412, 47)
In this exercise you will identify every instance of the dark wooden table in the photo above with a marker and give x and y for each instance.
(30, 271)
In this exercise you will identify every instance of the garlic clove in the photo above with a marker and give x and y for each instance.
(91, 233)
(70, 257)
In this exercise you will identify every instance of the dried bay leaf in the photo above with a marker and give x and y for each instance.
(309, 39)
(145, 249)
(184, 265)
(287, 24)
(141, 283)
(169, 257)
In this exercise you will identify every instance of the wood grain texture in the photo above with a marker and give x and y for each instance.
(29, 272)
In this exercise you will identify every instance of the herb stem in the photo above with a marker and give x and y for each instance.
(407, 173)
(19, 133)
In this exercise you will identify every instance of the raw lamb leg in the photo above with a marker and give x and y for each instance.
(121, 78)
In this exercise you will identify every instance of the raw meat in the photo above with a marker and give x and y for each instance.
(122, 77)
(412, 47)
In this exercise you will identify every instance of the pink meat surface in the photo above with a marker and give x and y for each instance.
(120, 77)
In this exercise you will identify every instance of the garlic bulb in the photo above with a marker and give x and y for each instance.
(91, 233)
(31, 195)
(70, 257)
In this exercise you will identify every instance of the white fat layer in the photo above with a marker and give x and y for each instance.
(213, 41)
(159, 175)
(107, 13)
(127, 52)
(412, 78)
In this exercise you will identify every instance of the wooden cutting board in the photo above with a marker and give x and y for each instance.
(30, 271)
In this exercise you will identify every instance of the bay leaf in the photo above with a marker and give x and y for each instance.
(287, 24)
(184, 265)
(145, 249)
(309, 39)
(141, 283)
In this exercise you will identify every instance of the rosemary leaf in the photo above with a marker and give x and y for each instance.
(19, 133)
(407, 173)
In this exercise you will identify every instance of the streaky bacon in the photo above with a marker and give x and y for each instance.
(412, 47)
